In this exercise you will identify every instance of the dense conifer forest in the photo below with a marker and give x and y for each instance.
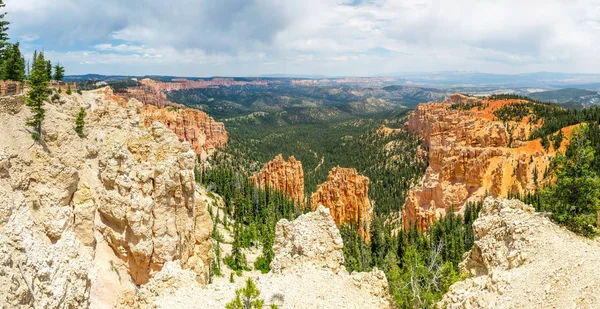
(419, 268)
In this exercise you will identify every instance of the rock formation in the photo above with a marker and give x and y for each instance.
(312, 240)
(472, 155)
(346, 194)
(36, 272)
(182, 83)
(286, 177)
(192, 125)
(204, 133)
(102, 213)
(307, 272)
(521, 259)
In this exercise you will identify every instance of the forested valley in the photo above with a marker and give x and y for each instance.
(413, 261)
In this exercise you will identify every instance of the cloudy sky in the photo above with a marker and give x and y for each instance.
(317, 37)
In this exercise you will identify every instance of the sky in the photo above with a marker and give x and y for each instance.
(309, 37)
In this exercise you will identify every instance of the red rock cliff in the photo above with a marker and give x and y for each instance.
(287, 177)
(194, 126)
(470, 157)
(346, 194)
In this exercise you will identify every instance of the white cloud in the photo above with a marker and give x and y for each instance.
(335, 37)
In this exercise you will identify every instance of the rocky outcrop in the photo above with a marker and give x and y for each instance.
(286, 177)
(307, 272)
(472, 155)
(171, 278)
(346, 194)
(204, 133)
(107, 210)
(312, 240)
(149, 212)
(521, 259)
(39, 274)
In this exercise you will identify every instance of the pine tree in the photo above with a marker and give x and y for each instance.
(59, 72)
(239, 259)
(49, 69)
(247, 298)
(575, 197)
(37, 95)
(69, 91)
(558, 139)
(80, 122)
(13, 66)
(3, 32)
(545, 142)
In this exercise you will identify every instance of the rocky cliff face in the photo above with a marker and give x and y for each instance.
(472, 155)
(286, 177)
(101, 214)
(521, 259)
(204, 133)
(307, 272)
(312, 240)
(346, 194)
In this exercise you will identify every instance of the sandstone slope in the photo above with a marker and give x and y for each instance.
(286, 177)
(203, 132)
(346, 194)
(85, 220)
(471, 155)
(522, 260)
(307, 273)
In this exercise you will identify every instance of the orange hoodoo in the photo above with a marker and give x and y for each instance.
(346, 194)
(287, 177)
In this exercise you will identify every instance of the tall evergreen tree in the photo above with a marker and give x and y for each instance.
(49, 69)
(13, 66)
(37, 95)
(558, 139)
(575, 197)
(59, 72)
(3, 32)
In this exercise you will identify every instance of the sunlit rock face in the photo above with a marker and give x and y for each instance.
(346, 194)
(286, 177)
(472, 154)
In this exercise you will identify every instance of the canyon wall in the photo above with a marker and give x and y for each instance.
(204, 133)
(182, 83)
(346, 194)
(472, 155)
(83, 221)
(286, 177)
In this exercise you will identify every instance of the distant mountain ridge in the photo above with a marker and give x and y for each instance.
(571, 97)
(445, 79)
(335, 101)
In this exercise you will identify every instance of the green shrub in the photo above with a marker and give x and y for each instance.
(248, 298)
(80, 122)
(262, 264)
